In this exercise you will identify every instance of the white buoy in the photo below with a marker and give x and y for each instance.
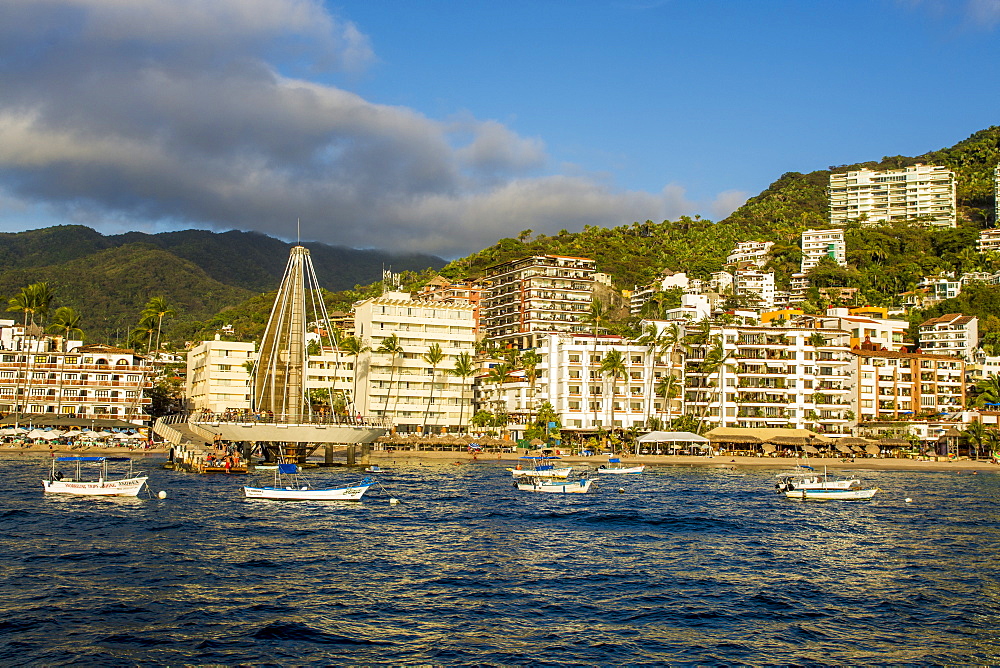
(393, 502)
(621, 490)
(909, 500)
(162, 494)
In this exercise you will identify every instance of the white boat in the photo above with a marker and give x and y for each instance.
(288, 487)
(374, 468)
(128, 485)
(540, 468)
(550, 486)
(831, 494)
(805, 484)
(806, 477)
(619, 468)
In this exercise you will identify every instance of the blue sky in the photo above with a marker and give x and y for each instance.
(443, 126)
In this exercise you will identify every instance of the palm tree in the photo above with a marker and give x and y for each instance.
(33, 301)
(354, 347)
(498, 375)
(67, 321)
(667, 388)
(529, 362)
(157, 307)
(976, 434)
(433, 356)
(390, 346)
(613, 365)
(989, 390)
(143, 330)
(650, 337)
(464, 368)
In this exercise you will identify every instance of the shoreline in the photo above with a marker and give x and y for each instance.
(720, 461)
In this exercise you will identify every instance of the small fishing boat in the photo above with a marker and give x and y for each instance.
(615, 466)
(806, 477)
(805, 484)
(288, 487)
(128, 484)
(540, 468)
(551, 486)
(374, 468)
(832, 494)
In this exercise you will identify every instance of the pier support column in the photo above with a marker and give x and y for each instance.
(366, 453)
(328, 454)
(351, 455)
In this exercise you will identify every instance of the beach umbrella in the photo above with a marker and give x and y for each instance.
(36, 433)
(52, 435)
(103, 434)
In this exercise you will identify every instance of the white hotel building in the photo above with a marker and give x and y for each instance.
(405, 387)
(217, 375)
(51, 376)
(927, 191)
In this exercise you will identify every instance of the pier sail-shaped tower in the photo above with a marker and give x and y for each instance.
(279, 375)
(283, 423)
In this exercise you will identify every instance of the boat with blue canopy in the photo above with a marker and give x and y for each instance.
(289, 486)
(128, 484)
(615, 465)
(540, 467)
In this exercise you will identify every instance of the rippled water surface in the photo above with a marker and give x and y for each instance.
(686, 565)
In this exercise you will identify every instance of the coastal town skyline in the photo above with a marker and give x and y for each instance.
(442, 128)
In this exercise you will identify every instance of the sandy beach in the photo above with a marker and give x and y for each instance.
(721, 461)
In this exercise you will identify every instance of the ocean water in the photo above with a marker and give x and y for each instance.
(683, 566)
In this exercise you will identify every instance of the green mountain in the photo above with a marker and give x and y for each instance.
(108, 279)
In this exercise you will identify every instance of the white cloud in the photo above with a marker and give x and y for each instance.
(183, 112)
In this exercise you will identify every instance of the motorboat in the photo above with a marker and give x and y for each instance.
(805, 484)
(374, 468)
(540, 467)
(128, 484)
(832, 494)
(806, 477)
(615, 465)
(289, 487)
(551, 486)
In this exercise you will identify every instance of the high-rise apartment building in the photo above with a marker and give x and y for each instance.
(536, 295)
(405, 387)
(920, 191)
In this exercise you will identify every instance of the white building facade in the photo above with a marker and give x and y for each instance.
(925, 191)
(405, 388)
(750, 252)
(952, 334)
(218, 376)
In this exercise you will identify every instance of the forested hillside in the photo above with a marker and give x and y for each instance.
(108, 279)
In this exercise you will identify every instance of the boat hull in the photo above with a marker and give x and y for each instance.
(305, 494)
(124, 487)
(831, 494)
(630, 469)
(550, 487)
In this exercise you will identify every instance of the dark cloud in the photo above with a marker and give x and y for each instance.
(202, 114)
